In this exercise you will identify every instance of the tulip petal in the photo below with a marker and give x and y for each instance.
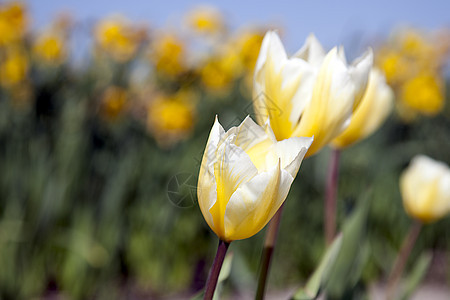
(253, 204)
(298, 81)
(254, 140)
(273, 49)
(331, 105)
(291, 153)
(359, 71)
(215, 136)
(370, 114)
(206, 187)
(249, 134)
(312, 51)
(282, 88)
(232, 168)
(267, 83)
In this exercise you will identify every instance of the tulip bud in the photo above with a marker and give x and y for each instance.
(425, 188)
(245, 177)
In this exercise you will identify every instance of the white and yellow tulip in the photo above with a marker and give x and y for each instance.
(309, 94)
(375, 107)
(245, 177)
(425, 189)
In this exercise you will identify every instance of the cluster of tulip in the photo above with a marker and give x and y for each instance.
(302, 103)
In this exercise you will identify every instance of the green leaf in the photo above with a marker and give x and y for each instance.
(416, 275)
(352, 241)
(320, 276)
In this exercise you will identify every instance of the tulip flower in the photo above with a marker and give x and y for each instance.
(310, 93)
(245, 177)
(375, 106)
(425, 189)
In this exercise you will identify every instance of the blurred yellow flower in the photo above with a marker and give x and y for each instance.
(206, 20)
(13, 22)
(249, 43)
(245, 177)
(168, 53)
(171, 117)
(414, 44)
(221, 69)
(310, 94)
(50, 47)
(413, 62)
(425, 189)
(14, 67)
(375, 106)
(117, 37)
(395, 66)
(423, 93)
(113, 102)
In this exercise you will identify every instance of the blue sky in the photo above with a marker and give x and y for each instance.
(333, 22)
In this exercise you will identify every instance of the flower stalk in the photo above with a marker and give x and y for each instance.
(331, 196)
(213, 276)
(266, 258)
(402, 258)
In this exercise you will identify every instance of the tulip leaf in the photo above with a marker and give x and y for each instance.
(353, 233)
(320, 276)
(416, 275)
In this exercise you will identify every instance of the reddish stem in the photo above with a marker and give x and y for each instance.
(213, 276)
(266, 258)
(402, 258)
(330, 197)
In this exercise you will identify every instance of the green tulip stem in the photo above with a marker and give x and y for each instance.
(269, 246)
(331, 196)
(402, 258)
(213, 276)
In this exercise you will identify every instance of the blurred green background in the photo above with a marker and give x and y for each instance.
(99, 160)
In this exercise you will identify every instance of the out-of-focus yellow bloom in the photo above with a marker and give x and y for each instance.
(50, 47)
(414, 44)
(113, 102)
(394, 65)
(425, 189)
(423, 93)
(375, 106)
(13, 22)
(14, 67)
(221, 70)
(206, 20)
(310, 94)
(245, 177)
(249, 44)
(168, 54)
(412, 62)
(117, 37)
(171, 117)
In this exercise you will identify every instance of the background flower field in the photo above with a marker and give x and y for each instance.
(99, 158)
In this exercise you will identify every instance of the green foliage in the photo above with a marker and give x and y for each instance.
(416, 275)
(321, 275)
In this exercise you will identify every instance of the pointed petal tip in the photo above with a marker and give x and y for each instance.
(366, 57)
